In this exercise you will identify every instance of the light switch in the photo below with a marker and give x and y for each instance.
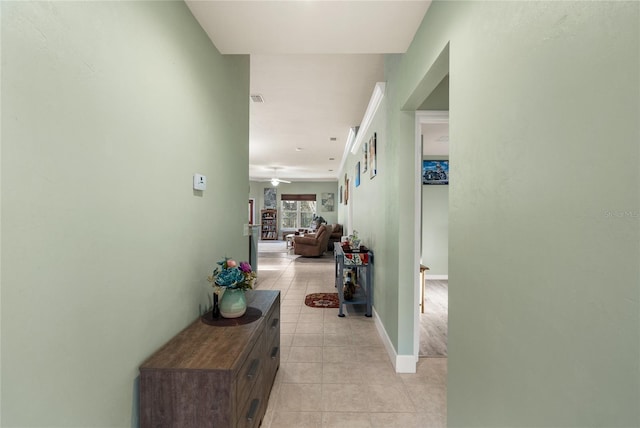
(199, 182)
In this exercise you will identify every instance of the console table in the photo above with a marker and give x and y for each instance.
(216, 376)
(360, 263)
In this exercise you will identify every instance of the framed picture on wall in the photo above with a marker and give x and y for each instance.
(270, 198)
(327, 201)
(365, 151)
(435, 172)
(346, 189)
(340, 194)
(346, 193)
(373, 161)
(358, 174)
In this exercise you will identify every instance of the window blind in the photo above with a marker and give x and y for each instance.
(301, 197)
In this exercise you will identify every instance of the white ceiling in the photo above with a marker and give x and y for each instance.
(315, 63)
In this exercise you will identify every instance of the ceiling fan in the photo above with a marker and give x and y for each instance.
(275, 180)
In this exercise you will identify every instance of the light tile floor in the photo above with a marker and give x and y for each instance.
(335, 372)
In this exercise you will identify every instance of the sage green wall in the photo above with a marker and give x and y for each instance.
(544, 250)
(403, 161)
(256, 191)
(439, 98)
(108, 110)
(373, 214)
(435, 228)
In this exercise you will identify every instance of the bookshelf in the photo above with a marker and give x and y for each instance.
(269, 222)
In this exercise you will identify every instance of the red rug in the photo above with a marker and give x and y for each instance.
(322, 300)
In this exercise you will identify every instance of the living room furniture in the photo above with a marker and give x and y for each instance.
(359, 264)
(210, 375)
(269, 222)
(313, 244)
(289, 239)
(336, 235)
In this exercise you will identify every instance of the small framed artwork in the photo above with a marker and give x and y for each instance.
(358, 174)
(270, 197)
(346, 189)
(327, 201)
(365, 150)
(435, 172)
(340, 194)
(373, 161)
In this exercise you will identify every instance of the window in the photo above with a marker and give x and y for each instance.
(297, 211)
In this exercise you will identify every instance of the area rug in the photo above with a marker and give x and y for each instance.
(322, 300)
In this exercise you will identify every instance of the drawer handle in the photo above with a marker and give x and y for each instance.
(253, 410)
(254, 368)
(274, 323)
(274, 352)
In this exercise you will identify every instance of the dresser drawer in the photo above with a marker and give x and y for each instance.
(272, 342)
(251, 413)
(250, 371)
(271, 364)
(273, 325)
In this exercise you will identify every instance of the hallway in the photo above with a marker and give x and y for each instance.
(335, 372)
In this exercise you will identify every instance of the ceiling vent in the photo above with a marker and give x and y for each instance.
(257, 98)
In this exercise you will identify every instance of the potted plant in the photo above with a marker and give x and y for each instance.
(354, 240)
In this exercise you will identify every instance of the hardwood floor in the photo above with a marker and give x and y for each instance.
(434, 320)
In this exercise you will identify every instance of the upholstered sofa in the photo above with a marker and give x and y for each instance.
(314, 244)
(336, 235)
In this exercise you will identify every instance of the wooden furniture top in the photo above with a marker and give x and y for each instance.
(206, 347)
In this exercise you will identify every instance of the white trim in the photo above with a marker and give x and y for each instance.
(351, 138)
(401, 363)
(422, 117)
(385, 337)
(406, 364)
(357, 133)
(432, 116)
(372, 108)
(441, 277)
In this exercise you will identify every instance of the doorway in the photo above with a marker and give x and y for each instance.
(252, 211)
(431, 320)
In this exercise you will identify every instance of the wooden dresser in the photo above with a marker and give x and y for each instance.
(212, 376)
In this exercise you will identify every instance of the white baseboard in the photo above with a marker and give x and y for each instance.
(441, 277)
(401, 363)
(406, 364)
